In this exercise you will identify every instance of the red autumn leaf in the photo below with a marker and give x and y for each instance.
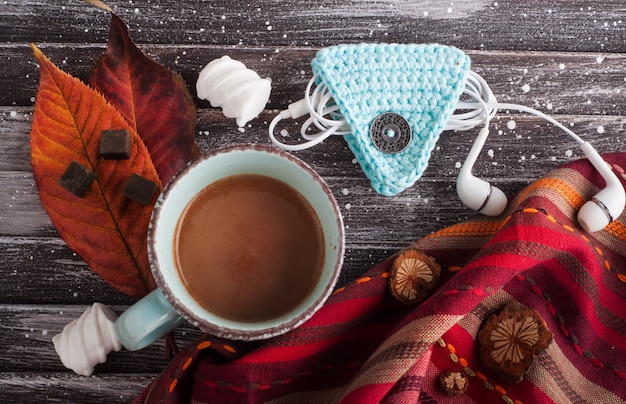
(154, 99)
(105, 228)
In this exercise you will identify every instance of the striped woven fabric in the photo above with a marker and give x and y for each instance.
(364, 347)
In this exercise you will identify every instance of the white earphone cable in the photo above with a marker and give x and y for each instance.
(325, 114)
(318, 104)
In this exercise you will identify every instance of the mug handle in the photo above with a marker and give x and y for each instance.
(146, 321)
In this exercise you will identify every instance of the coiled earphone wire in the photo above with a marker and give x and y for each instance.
(326, 116)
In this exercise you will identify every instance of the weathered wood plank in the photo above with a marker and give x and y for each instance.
(555, 82)
(28, 330)
(51, 387)
(537, 25)
(45, 271)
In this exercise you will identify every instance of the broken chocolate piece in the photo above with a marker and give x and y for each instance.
(413, 276)
(115, 144)
(454, 382)
(77, 179)
(510, 341)
(139, 189)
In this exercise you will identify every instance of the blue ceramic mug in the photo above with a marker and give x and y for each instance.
(171, 304)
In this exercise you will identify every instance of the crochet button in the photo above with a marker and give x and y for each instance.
(390, 133)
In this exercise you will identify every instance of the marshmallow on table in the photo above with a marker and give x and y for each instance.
(86, 341)
(240, 92)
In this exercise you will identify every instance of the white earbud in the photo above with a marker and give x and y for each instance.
(608, 204)
(604, 207)
(475, 193)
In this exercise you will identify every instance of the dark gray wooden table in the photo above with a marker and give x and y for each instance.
(563, 57)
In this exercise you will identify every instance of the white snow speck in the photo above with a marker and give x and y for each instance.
(511, 124)
(490, 153)
(568, 153)
(562, 66)
(600, 129)
(13, 114)
(348, 206)
(345, 191)
(525, 88)
(457, 164)
(284, 132)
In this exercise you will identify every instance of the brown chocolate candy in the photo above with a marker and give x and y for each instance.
(77, 179)
(115, 144)
(413, 276)
(139, 189)
(510, 341)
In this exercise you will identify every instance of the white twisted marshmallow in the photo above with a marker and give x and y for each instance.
(229, 84)
(86, 341)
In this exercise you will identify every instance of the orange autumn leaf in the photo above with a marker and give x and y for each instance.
(105, 228)
(154, 99)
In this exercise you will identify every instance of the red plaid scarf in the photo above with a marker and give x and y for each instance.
(364, 347)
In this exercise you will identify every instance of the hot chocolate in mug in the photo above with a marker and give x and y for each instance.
(246, 242)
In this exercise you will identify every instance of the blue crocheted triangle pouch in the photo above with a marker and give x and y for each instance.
(382, 88)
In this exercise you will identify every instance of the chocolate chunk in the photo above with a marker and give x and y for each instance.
(77, 179)
(139, 189)
(115, 144)
(510, 341)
